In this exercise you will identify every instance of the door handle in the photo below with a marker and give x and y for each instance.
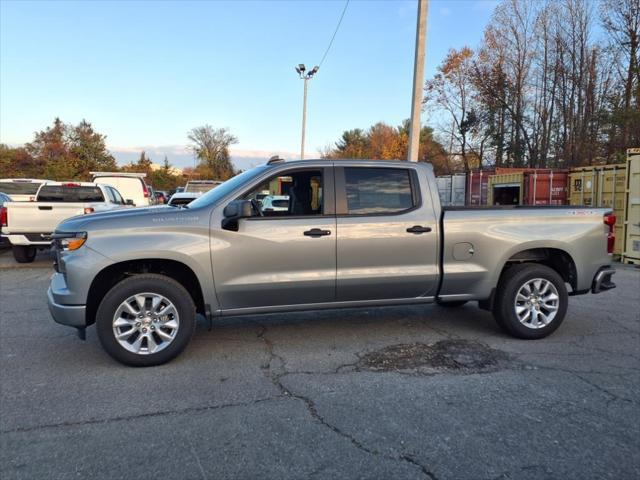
(418, 229)
(40, 207)
(317, 232)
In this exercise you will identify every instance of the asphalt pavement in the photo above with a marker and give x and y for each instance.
(410, 392)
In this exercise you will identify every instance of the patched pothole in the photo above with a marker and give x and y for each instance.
(456, 356)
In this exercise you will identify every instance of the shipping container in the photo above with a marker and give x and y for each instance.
(506, 189)
(631, 253)
(529, 187)
(478, 187)
(546, 187)
(583, 187)
(601, 186)
(451, 189)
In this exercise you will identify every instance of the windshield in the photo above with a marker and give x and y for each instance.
(174, 202)
(199, 187)
(224, 189)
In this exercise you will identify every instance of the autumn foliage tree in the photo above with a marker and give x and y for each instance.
(384, 142)
(60, 152)
(451, 90)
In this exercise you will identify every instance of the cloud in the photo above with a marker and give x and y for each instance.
(181, 156)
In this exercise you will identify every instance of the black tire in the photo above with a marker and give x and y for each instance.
(457, 303)
(24, 253)
(153, 283)
(504, 306)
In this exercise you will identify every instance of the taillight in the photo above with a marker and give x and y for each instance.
(89, 210)
(145, 191)
(4, 217)
(610, 221)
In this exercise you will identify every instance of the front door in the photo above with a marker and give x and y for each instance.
(287, 256)
(387, 235)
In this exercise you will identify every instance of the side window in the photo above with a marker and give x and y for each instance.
(294, 193)
(109, 191)
(378, 190)
(117, 197)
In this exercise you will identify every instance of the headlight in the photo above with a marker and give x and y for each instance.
(70, 241)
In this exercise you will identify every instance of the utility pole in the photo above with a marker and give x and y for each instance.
(304, 118)
(306, 77)
(418, 80)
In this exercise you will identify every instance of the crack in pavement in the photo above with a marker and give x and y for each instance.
(271, 374)
(140, 416)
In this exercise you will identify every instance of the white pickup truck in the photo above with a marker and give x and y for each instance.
(28, 225)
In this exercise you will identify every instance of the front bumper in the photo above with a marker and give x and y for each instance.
(602, 281)
(71, 315)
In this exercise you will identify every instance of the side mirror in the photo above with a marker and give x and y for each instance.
(130, 202)
(234, 211)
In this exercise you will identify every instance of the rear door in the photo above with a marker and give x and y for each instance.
(131, 188)
(285, 257)
(387, 235)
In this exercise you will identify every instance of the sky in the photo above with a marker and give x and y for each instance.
(145, 72)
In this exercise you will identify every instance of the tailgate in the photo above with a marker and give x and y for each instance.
(38, 217)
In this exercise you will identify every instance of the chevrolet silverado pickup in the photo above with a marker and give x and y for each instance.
(354, 233)
(28, 225)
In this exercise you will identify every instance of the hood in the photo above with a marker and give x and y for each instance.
(116, 218)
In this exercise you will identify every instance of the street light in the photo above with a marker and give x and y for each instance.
(301, 69)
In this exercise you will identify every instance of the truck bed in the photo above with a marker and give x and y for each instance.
(28, 217)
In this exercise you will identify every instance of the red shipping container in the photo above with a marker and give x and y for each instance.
(478, 187)
(546, 187)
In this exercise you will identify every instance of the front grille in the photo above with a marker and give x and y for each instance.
(55, 249)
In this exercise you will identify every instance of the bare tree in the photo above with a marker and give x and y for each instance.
(211, 146)
(451, 90)
(621, 20)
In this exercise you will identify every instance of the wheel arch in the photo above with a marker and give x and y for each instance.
(557, 259)
(108, 277)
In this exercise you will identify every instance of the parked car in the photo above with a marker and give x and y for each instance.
(4, 198)
(357, 233)
(161, 197)
(130, 185)
(28, 225)
(201, 186)
(182, 198)
(21, 189)
(275, 203)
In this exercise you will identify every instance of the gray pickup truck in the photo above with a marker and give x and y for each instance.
(354, 233)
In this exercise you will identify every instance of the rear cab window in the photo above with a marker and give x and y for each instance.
(70, 194)
(19, 188)
(379, 191)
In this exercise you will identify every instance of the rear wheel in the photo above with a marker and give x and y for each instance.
(24, 253)
(146, 320)
(531, 301)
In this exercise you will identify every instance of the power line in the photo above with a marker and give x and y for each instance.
(346, 4)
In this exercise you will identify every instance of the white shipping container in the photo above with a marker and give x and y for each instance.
(451, 189)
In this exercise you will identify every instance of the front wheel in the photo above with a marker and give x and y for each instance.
(23, 253)
(146, 320)
(531, 301)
